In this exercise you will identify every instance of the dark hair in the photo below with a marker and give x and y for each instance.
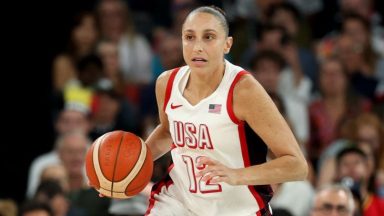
(33, 205)
(215, 11)
(354, 16)
(369, 54)
(286, 6)
(91, 59)
(268, 27)
(50, 188)
(75, 22)
(267, 55)
(348, 150)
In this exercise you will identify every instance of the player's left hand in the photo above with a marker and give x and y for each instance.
(215, 172)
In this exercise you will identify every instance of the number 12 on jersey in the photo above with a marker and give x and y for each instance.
(197, 184)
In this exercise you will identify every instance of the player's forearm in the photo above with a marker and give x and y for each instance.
(282, 169)
(159, 141)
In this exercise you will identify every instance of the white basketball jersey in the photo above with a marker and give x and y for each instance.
(210, 129)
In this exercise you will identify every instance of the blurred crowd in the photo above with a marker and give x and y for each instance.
(322, 62)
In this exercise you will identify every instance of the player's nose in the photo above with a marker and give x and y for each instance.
(198, 47)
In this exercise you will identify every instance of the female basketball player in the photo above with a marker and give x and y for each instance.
(218, 122)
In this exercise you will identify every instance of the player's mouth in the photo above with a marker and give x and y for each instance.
(199, 62)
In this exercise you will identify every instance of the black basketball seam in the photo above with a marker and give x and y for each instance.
(114, 167)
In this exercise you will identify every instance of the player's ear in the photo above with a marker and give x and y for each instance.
(228, 45)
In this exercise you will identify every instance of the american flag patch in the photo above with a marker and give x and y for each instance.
(214, 108)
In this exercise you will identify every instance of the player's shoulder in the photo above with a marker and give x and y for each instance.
(247, 85)
(163, 78)
(246, 80)
(239, 74)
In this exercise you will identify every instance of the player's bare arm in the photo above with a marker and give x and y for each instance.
(159, 141)
(264, 118)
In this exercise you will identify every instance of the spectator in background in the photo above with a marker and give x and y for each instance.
(169, 54)
(70, 118)
(111, 111)
(109, 54)
(8, 207)
(333, 15)
(353, 170)
(51, 193)
(360, 29)
(71, 148)
(83, 36)
(367, 127)
(364, 8)
(364, 70)
(361, 50)
(35, 208)
(269, 37)
(367, 132)
(293, 84)
(332, 108)
(333, 200)
(58, 173)
(267, 66)
(288, 17)
(135, 54)
(80, 91)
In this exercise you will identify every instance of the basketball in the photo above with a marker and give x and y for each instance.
(119, 164)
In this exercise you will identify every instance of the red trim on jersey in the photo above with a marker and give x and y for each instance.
(243, 139)
(230, 97)
(170, 168)
(247, 163)
(169, 87)
(152, 198)
(157, 189)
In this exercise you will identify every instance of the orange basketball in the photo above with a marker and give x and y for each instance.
(119, 164)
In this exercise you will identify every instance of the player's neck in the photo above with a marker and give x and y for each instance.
(202, 84)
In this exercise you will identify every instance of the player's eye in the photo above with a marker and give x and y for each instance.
(209, 37)
(188, 37)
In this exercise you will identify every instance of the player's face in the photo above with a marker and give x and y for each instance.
(204, 42)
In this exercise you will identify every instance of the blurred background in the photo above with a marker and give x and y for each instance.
(91, 66)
